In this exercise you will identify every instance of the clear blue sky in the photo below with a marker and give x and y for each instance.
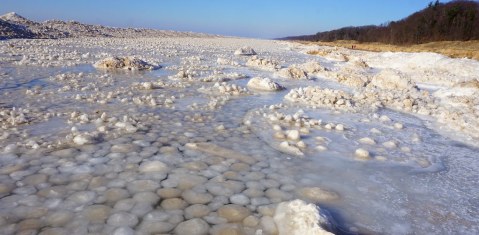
(249, 18)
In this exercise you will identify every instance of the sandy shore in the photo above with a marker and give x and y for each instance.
(454, 49)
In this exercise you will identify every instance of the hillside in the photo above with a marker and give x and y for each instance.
(452, 21)
(9, 30)
(13, 25)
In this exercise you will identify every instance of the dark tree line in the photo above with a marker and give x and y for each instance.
(453, 21)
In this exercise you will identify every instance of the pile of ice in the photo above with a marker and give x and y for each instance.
(461, 93)
(264, 84)
(223, 88)
(146, 85)
(291, 133)
(391, 79)
(127, 63)
(351, 77)
(265, 64)
(318, 97)
(386, 79)
(187, 74)
(10, 117)
(225, 61)
(219, 76)
(335, 55)
(293, 72)
(313, 67)
(359, 63)
(246, 51)
(459, 107)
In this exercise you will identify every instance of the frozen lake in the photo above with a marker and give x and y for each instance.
(383, 143)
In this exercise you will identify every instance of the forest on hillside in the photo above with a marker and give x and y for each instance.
(453, 21)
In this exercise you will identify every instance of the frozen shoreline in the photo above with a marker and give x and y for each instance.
(79, 146)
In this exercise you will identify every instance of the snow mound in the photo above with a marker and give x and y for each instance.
(359, 63)
(352, 77)
(225, 61)
(264, 64)
(302, 71)
(459, 93)
(296, 217)
(318, 97)
(264, 84)
(128, 63)
(222, 77)
(293, 72)
(390, 79)
(313, 67)
(187, 74)
(247, 51)
(337, 56)
(223, 88)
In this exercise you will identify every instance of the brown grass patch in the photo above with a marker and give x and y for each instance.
(320, 53)
(454, 49)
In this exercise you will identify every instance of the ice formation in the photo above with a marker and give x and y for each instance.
(265, 64)
(298, 217)
(127, 63)
(264, 84)
(392, 80)
(293, 72)
(245, 51)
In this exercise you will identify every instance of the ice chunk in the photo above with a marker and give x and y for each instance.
(264, 84)
(128, 63)
(296, 217)
(245, 51)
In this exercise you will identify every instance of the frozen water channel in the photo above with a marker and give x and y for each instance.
(190, 148)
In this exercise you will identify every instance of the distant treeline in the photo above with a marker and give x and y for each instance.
(453, 21)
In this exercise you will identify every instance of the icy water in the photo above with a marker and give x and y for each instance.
(137, 172)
